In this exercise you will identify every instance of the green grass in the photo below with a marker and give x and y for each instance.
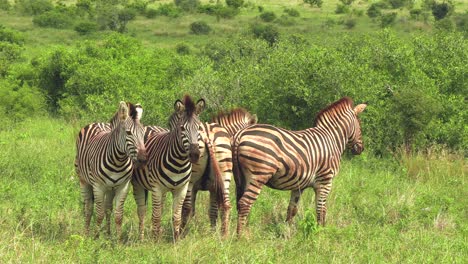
(410, 210)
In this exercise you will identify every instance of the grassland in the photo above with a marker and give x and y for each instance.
(410, 209)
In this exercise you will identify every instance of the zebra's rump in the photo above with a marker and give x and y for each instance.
(282, 159)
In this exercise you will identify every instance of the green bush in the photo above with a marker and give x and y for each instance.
(312, 3)
(53, 19)
(169, 10)
(441, 10)
(347, 2)
(388, 19)
(400, 3)
(415, 13)
(269, 33)
(235, 3)
(461, 21)
(187, 5)
(183, 49)
(33, 7)
(286, 21)
(374, 11)
(268, 16)
(5, 5)
(342, 9)
(86, 27)
(200, 28)
(292, 12)
(11, 36)
(445, 24)
(151, 13)
(139, 5)
(350, 22)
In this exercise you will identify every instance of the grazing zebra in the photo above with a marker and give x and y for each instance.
(216, 158)
(295, 160)
(106, 156)
(170, 157)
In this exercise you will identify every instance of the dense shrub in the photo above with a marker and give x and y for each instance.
(183, 49)
(441, 10)
(416, 13)
(374, 11)
(317, 3)
(268, 16)
(219, 11)
(151, 13)
(235, 3)
(285, 20)
(11, 36)
(347, 2)
(5, 5)
(200, 28)
(445, 24)
(169, 10)
(187, 5)
(53, 19)
(269, 33)
(350, 22)
(33, 7)
(461, 21)
(400, 3)
(86, 27)
(387, 19)
(292, 12)
(342, 9)
(139, 5)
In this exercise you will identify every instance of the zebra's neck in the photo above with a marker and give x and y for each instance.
(116, 146)
(338, 130)
(176, 146)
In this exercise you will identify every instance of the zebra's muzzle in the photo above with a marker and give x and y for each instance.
(194, 153)
(141, 159)
(357, 149)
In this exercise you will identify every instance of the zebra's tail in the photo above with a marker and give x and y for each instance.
(238, 179)
(218, 177)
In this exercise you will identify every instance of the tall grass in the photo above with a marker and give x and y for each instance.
(407, 209)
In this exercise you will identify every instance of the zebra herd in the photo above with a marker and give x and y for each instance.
(191, 156)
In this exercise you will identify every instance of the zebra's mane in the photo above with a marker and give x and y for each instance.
(189, 105)
(236, 111)
(343, 101)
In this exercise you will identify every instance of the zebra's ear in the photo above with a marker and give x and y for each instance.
(200, 106)
(359, 108)
(123, 110)
(179, 107)
(139, 110)
(254, 119)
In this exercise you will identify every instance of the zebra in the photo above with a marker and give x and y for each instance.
(294, 160)
(216, 158)
(170, 157)
(105, 158)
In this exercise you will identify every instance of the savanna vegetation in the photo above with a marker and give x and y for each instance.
(64, 64)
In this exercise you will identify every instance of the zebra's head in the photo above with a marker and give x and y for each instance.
(355, 139)
(129, 117)
(188, 125)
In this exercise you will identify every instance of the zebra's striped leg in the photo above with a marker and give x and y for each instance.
(178, 199)
(321, 195)
(108, 198)
(187, 207)
(140, 195)
(158, 199)
(245, 203)
(292, 208)
(99, 195)
(120, 195)
(213, 209)
(87, 195)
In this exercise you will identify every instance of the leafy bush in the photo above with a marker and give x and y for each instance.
(387, 19)
(169, 10)
(312, 3)
(33, 7)
(187, 5)
(461, 21)
(5, 5)
(219, 11)
(235, 3)
(441, 10)
(445, 24)
(151, 13)
(11, 36)
(269, 33)
(400, 3)
(53, 19)
(342, 9)
(183, 49)
(374, 11)
(415, 13)
(286, 21)
(86, 27)
(350, 22)
(200, 28)
(292, 12)
(139, 5)
(268, 16)
(347, 2)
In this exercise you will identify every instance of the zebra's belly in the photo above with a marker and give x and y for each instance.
(290, 181)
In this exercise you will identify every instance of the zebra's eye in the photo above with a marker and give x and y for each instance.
(200, 128)
(128, 133)
(182, 128)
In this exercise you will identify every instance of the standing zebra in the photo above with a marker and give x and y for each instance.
(295, 160)
(106, 156)
(170, 157)
(216, 158)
